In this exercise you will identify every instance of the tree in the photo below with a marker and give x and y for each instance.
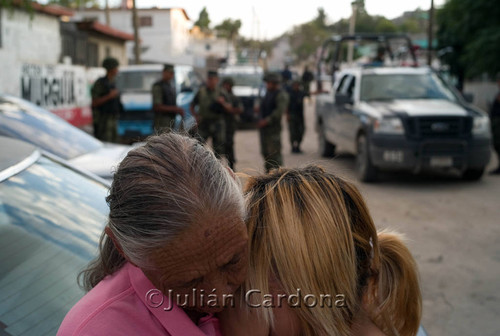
(384, 25)
(320, 20)
(306, 38)
(228, 29)
(203, 21)
(471, 30)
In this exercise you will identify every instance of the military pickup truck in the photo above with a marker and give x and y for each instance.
(402, 118)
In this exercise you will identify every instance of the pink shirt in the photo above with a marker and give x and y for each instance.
(118, 306)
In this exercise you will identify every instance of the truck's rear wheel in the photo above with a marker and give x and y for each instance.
(365, 170)
(326, 149)
(473, 174)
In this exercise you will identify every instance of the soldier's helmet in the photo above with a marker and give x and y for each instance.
(168, 67)
(110, 63)
(228, 81)
(272, 77)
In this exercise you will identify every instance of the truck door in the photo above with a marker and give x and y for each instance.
(350, 119)
(343, 109)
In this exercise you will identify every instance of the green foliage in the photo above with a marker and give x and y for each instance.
(228, 29)
(203, 20)
(9, 4)
(472, 29)
(24, 4)
(383, 25)
(306, 38)
(411, 26)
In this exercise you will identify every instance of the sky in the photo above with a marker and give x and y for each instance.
(266, 19)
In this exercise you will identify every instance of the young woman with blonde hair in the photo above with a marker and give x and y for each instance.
(311, 238)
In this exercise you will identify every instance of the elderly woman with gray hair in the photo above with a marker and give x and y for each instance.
(174, 248)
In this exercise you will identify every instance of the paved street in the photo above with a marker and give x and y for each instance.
(452, 227)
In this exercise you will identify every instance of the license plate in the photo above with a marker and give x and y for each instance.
(441, 161)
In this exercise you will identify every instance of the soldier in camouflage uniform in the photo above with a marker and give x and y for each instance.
(295, 116)
(164, 101)
(106, 105)
(209, 113)
(495, 126)
(272, 108)
(234, 108)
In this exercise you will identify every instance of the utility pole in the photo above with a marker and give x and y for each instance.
(106, 9)
(135, 24)
(431, 32)
(352, 27)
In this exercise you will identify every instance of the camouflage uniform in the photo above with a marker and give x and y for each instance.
(212, 123)
(296, 118)
(105, 116)
(307, 78)
(231, 121)
(164, 94)
(272, 108)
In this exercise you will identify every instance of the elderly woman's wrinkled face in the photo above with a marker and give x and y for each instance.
(209, 258)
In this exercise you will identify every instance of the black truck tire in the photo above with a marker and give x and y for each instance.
(473, 174)
(326, 149)
(365, 169)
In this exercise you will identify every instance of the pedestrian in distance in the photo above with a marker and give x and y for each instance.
(307, 78)
(165, 101)
(234, 108)
(286, 75)
(295, 116)
(209, 112)
(272, 107)
(106, 104)
(495, 125)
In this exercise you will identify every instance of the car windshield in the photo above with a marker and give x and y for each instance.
(51, 219)
(25, 121)
(137, 81)
(141, 81)
(245, 79)
(404, 86)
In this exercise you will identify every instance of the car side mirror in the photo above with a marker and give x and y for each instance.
(469, 97)
(342, 99)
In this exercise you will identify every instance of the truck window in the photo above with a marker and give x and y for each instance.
(404, 86)
(341, 84)
(137, 81)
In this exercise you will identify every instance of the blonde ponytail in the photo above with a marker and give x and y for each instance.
(398, 289)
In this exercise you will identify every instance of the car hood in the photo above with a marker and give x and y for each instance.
(104, 161)
(414, 108)
(245, 91)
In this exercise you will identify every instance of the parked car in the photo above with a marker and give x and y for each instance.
(51, 218)
(135, 82)
(402, 118)
(248, 87)
(25, 121)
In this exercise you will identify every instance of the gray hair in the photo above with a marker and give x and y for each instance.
(158, 191)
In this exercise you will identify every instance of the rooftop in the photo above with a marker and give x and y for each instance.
(94, 26)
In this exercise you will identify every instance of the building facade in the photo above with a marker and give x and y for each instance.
(52, 62)
(163, 32)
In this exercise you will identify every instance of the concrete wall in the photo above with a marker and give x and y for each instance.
(116, 49)
(484, 93)
(30, 69)
(26, 41)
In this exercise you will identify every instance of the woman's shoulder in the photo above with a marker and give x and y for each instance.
(113, 299)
